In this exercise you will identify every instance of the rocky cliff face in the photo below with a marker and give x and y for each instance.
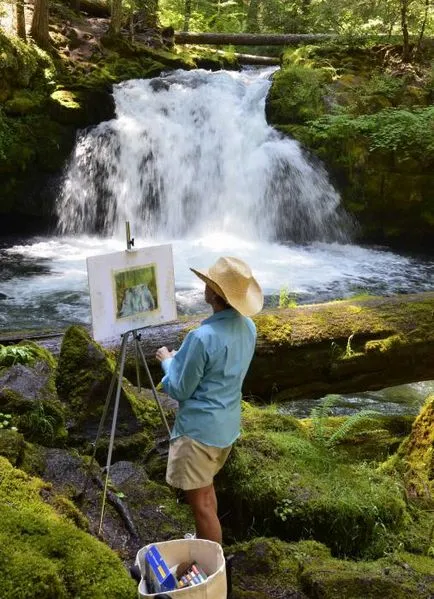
(369, 118)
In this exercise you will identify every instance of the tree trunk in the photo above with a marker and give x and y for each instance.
(20, 20)
(404, 29)
(253, 16)
(151, 9)
(187, 15)
(336, 347)
(115, 18)
(39, 28)
(423, 26)
(250, 39)
(308, 351)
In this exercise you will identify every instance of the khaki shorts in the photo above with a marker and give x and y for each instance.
(193, 465)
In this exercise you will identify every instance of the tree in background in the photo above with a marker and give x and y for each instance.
(115, 18)
(39, 27)
(187, 15)
(20, 20)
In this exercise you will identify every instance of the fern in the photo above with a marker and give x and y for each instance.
(322, 412)
(39, 423)
(350, 423)
(12, 354)
(319, 414)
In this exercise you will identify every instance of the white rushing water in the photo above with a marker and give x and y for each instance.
(190, 160)
(191, 153)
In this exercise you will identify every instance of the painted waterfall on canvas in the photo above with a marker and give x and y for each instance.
(131, 290)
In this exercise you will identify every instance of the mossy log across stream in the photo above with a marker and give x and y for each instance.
(337, 347)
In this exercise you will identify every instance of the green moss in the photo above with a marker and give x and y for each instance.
(83, 373)
(275, 329)
(46, 555)
(296, 95)
(385, 345)
(267, 419)
(389, 578)
(11, 445)
(25, 102)
(273, 568)
(372, 439)
(67, 99)
(83, 380)
(295, 488)
(32, 460)
(415, 457)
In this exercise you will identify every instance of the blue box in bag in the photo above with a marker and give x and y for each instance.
(157, 574)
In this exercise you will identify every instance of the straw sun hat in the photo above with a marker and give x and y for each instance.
(232, 279)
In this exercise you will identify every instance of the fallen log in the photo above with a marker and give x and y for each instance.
(336, 347)
(250, 39)
(95, 8)
(311, 350)
(254, 59)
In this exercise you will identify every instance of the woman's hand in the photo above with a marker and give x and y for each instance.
(163, 353)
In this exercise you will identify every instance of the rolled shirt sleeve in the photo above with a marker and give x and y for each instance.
(184, 371)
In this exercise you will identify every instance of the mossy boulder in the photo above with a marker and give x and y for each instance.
(84, 376)
(414, 459)
(296, 95)
(373, 437)
(11, 445)
(138, 510)
(294, 487)
(81, 107)
(268, 567)
(43, 554)
(28, 392)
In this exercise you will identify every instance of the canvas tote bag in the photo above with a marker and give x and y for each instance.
(207, 554)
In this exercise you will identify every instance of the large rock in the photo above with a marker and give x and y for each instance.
(414, 459)
(264, 568)
(371, 128)
(281, 481)
(138, 510)
(28, 392)
(44, 554)
(84, 376)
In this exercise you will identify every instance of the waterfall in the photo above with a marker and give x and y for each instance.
(191, 153)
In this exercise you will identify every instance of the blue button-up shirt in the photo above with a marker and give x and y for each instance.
(205, 376)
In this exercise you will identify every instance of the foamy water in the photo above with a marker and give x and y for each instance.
(44, 282)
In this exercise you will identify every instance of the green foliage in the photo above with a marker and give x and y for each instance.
(295, 16)
(297, 94)
(5, 421)
(287, 299)
(406, 132)
(41, 425)
(17, 354)
(42, 554)
(320, 415)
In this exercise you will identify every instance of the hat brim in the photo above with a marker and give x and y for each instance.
(248, 303)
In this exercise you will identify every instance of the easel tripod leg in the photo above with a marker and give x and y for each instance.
(101, 423)
(113, 430)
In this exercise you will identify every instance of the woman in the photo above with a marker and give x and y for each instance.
(205, 376)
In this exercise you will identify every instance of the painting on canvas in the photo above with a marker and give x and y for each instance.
(131, 290)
